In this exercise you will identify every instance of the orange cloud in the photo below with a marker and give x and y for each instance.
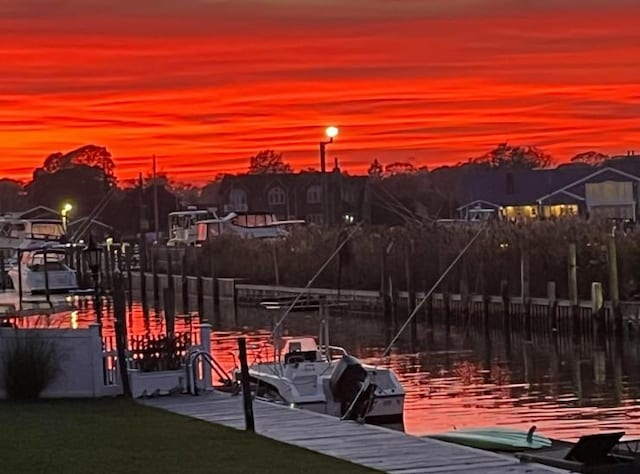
(207, 85)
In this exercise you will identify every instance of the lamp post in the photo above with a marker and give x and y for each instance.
(66, 208)
(331, 133)
(94, 256)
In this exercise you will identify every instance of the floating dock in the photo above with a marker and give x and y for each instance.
(371, 446)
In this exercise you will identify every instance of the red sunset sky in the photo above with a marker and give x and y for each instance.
(204, 84)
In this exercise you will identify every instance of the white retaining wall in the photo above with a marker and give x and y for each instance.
(81, 361)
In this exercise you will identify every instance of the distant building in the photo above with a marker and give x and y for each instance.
(298, 196)
(609, 191)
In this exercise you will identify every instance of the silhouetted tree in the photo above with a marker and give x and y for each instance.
(400, 168)
(376, 170)
(210, 192)
(81, 185)
(590, 157)
(88, 155)
(268, 161)
(11, 195)
(507, 156)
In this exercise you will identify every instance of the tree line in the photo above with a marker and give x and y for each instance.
(402, 193)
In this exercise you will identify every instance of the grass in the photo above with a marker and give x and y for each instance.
(118, 436)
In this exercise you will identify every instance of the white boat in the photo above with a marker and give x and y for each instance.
(248, 225)
(182, 226)
(43, 268)
(16, 232)
(326, 379)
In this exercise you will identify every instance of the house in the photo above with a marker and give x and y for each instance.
(608, 191)
(298, 196)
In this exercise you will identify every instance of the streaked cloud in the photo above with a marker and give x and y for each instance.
(205, 84)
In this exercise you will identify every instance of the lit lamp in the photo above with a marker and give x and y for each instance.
(63, 212)
(331, 132)
(93, 255)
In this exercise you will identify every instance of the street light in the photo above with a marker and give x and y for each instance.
(331, 132)
(66, 208)
(94, 257)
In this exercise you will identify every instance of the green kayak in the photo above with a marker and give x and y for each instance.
(495, 439)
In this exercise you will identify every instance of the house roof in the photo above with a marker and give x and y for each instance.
(561, 185)
(517, 187)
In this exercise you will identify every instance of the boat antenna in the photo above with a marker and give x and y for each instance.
(433, 288)
(317, 274)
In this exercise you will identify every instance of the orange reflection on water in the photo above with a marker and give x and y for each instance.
(463, 380)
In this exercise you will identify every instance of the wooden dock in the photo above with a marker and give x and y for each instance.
(371, 446)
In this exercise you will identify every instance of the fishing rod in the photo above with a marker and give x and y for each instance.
(433, 288)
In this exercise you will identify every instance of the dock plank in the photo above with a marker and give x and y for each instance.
(367, 445)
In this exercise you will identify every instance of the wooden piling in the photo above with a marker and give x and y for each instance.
(184, 282)
(384, 289)
(154, 274)
(525, 292)
(169, 270)
(573, 288)
(128, 256)
(214, 286)
(411, 290)
(246, 386)
(3, 275)
(199, 287)
(506, 317)
(143, 279)
(597, 312)
(614, 292)
(552, 309)
(169, 310)
(47, 291)
(120, 326)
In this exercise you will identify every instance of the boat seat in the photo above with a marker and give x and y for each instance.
(300, 356)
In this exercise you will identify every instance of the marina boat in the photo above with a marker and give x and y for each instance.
(326, 379)
(43, 269)
(16, 232)
(182, 226)
(249, 225)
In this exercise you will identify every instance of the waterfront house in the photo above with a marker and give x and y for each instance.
(298, 196)
(608, 191)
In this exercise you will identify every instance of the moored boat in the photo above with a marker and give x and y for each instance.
(326, 379)
(43, 269)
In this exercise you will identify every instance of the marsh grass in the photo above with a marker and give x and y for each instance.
(29, 365)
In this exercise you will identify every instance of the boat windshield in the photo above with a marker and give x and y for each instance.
(35, 261)
(47, 230)
(301, 344)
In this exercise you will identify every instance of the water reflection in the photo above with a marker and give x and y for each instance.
(454, 376)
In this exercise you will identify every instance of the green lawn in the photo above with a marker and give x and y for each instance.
(119, 436)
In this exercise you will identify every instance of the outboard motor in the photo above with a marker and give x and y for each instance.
(350, 385)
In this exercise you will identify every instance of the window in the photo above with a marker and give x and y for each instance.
(349, 195)
(314, 219)
(314, 194)
(238, 199)
(276, 196)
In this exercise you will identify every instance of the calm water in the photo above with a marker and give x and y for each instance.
(467, 379)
